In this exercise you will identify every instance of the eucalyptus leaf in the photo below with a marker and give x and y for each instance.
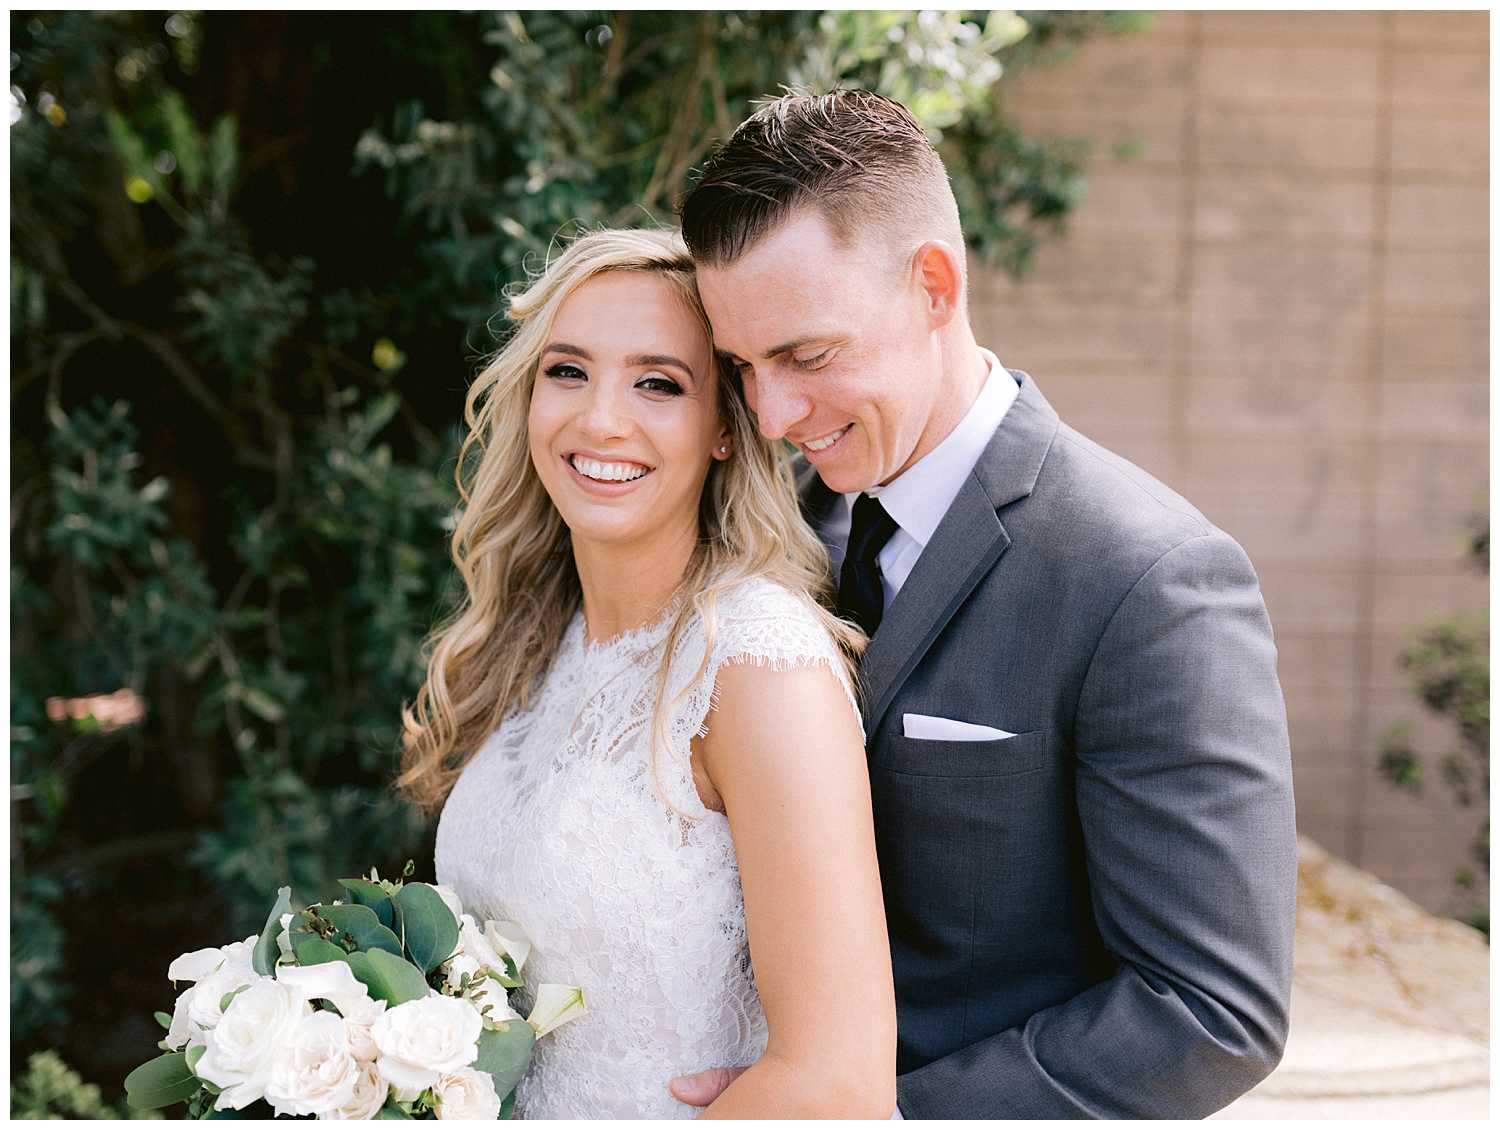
(364, 926)
(391, 1110)
(389, 978)
(366, 893)
(194, 1054)
(505, 1053)
(313, 950)
(431, 931)
(263, 960)
(161, 1082)
(164, 1019)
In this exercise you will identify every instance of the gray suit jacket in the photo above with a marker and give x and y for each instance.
(1092, 918)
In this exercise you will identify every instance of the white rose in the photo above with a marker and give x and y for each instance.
(424, 1039)
(370, 1091)
(313, 1071)
(217, 972)
(358, 1023)
(467, 1094)
(284, 939)
(242, 1049)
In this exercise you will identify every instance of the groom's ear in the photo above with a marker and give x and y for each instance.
(939, 275)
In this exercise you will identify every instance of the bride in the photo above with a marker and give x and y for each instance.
(641, 727)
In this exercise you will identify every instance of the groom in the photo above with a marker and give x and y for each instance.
(1077, 744)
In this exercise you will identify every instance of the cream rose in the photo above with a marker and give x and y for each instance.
(424, 1039)
(467, 1094)
(243, 1047)
(370, 1091)
(313, 1071)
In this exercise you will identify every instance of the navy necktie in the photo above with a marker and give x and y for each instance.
(861, 593)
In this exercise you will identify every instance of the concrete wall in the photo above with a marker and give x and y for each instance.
(1279, 306)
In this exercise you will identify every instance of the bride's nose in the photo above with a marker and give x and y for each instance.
(606, 411)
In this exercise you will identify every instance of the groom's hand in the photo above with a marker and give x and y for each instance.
(705, 1086)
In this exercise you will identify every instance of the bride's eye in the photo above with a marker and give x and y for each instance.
(565, 372)
(656, 382)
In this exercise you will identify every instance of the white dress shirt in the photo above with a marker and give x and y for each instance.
(919, 497)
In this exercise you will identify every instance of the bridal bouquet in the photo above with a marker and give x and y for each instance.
(391, 1003)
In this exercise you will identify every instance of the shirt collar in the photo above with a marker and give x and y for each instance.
(919, 497)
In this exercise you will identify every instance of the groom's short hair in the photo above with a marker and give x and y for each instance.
(861, 159)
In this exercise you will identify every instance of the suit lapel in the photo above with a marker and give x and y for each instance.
(964, 548)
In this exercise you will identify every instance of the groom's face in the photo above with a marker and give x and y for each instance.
(835, 345)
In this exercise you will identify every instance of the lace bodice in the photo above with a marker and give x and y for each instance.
(555, 823)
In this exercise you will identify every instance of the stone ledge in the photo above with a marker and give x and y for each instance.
(1390, 1006)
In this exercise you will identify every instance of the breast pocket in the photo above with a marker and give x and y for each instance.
(922, 757)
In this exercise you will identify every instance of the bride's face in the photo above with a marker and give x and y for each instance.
(624, 419)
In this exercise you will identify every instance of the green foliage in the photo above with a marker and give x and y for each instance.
(590, 118)
(1449, 665)
(38, 990)
(241, 324)
(505, 1053)
(160, 1082)
(428, 929)
(51, 1089)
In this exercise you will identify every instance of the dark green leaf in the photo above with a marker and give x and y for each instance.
(431, 931)
(373, 895)
(507, 1108)
(160, 1082)
(391, 1110)
(389, 978)
(313, 950)
(266, 951)
(363, 925)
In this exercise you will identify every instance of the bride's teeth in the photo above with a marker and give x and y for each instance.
(607, 472)
(819, 445)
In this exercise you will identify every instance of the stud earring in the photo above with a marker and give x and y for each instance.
(723, 450)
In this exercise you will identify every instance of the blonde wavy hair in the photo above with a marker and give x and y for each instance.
(511, 546)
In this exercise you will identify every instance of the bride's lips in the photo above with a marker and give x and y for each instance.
(604, 489)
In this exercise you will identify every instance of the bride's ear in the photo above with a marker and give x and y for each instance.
(724, 444)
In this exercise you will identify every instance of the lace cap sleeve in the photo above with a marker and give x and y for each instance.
(758, 622)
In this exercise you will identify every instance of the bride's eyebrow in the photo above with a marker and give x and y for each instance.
(660, 359)
(570, 350)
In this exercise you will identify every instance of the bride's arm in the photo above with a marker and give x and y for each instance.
(786, 755)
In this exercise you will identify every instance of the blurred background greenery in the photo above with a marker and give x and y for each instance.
(255, 258)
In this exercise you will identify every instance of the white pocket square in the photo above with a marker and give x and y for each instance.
(948, 729)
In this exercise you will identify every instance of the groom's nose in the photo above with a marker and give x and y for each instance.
(777, 404)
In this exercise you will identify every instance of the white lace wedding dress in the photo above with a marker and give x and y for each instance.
(555, 824)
